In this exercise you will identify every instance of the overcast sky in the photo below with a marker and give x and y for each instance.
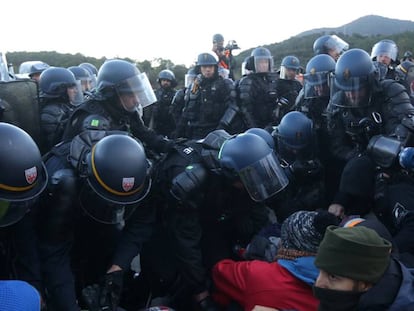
(176, 30)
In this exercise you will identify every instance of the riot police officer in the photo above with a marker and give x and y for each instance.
(121, 93)
(158, 116)
(35, 69)
(92, 221)
(209, 101)
(313, 101)
(82, 75)
(362, 106)
(331, 45)
(288, 87)
(297, 148)
(93, 71)
(60, 93)
(385, 56)
(214, 203)
(23, 177)
(258, 100)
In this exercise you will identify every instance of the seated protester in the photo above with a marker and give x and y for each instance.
(358, 272)
(282, 284)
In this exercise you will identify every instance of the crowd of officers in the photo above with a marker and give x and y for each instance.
(127, 197)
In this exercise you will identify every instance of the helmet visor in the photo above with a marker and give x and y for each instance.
(356, 92)
(75, 93)
(336, 45)
(104, 211)
(316, 85)
(12, 211)
(264, 178)
(385, 49)
(263, 64)
(189, 78)
(136, 91)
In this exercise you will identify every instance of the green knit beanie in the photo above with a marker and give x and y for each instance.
(358, 253)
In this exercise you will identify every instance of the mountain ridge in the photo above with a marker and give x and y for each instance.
(368, 25)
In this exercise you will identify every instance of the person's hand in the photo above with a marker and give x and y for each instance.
(111, 288)
(337, 209)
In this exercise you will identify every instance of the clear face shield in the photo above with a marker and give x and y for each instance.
(4, 71)
(317, 84)
(93, 82)
(383, 51)
(135, 93)
(263, 64)
(75, 93)
(357, 92)
(336, 46)
(86, 84)
(264, 178)
(188, 79)
(12, 211)
(288, 73)
(104, 211)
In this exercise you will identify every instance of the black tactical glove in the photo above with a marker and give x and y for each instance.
(302, 169)
(90, 296)
(111, 290)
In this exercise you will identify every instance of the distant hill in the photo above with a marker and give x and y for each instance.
(369, 25)
(362, 33)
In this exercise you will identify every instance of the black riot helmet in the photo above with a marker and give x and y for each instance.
(289, 62)
(80, 73)
(263, 134)
(167, 74)
(90, 67)
(37, 68)
(331, 45)
(54, 82)
(119, 175)
(355, 74)
(92, 70)
(218, 38)
(261, 61)
(294, 136)
(23, 175)
(249, 156)
(207, 59)
(319, 71)
(117, 78)
(83, 76)
(387, 48)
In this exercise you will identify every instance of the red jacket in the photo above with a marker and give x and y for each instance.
(256, 282)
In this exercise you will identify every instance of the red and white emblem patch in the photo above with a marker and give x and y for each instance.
(31, 174)
(128, 183)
